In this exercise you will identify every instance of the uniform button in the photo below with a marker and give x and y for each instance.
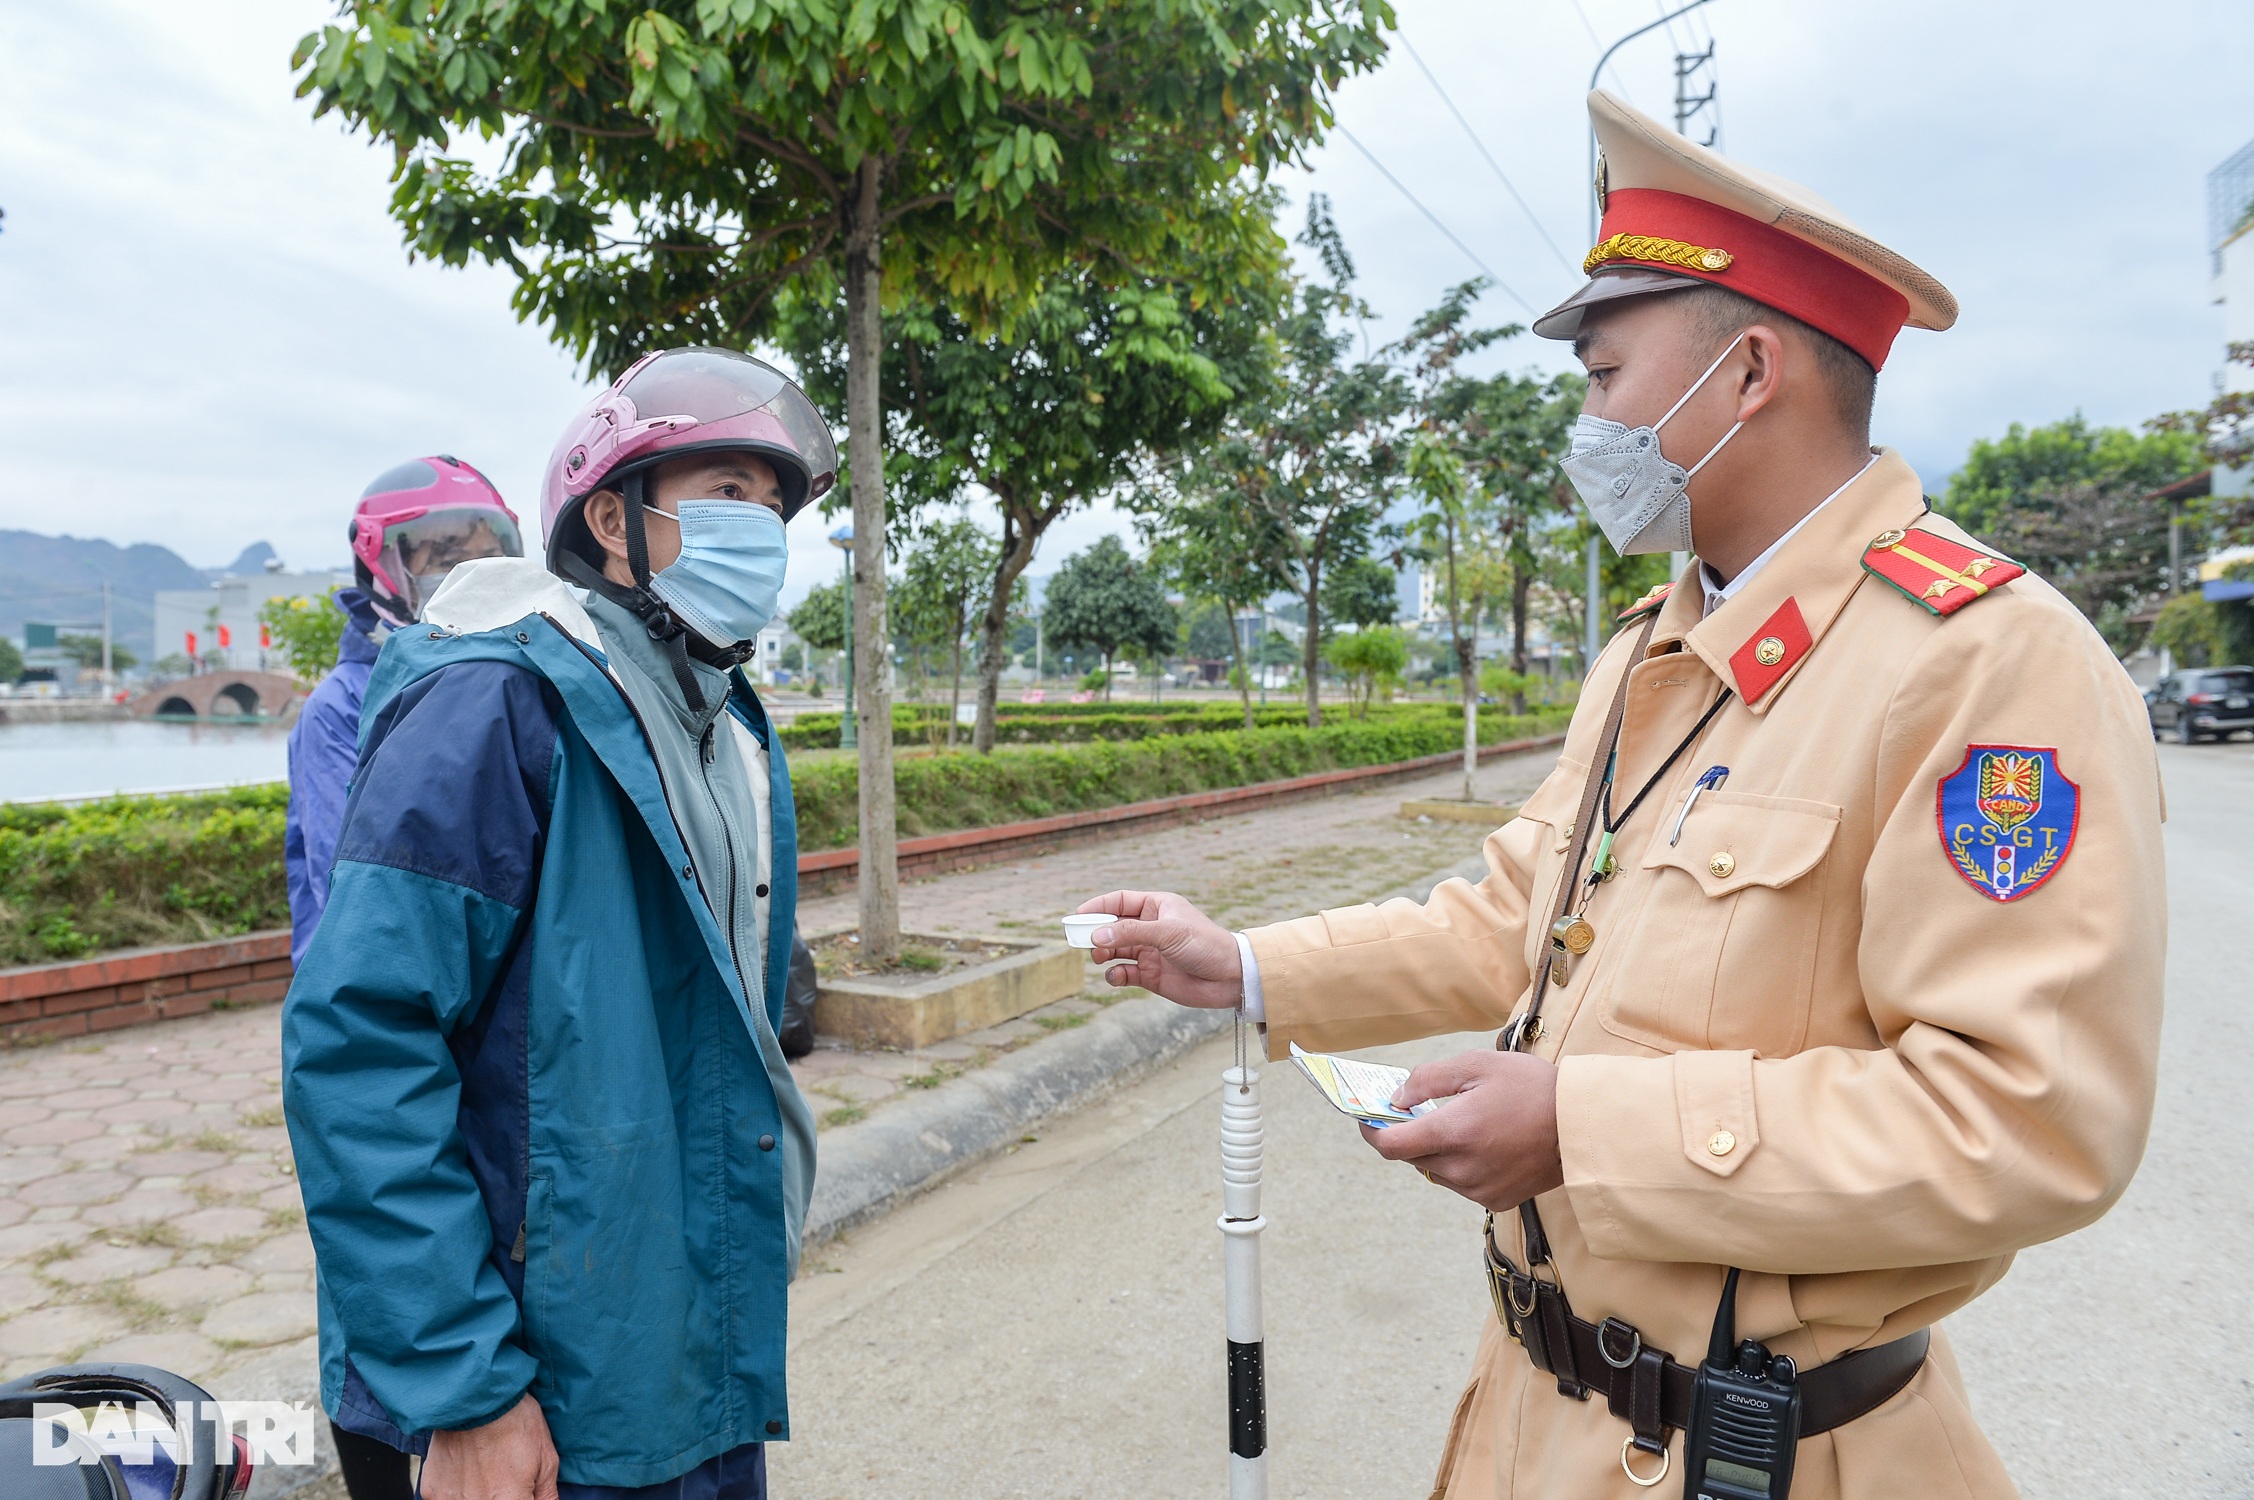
(773, 1428)
(688, 872)
(766, 1143)
(759, 890)
(1769, 651)
(1721, 1143)
(524, 638)
(1722, 864)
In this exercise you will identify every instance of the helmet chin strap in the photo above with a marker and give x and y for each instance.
(679, 640)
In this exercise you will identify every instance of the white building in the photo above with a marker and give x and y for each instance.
(218, 626)
(2230, 226)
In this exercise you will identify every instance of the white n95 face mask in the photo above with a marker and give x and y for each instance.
(1638, 496)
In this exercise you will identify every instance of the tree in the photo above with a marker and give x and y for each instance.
(820, 620)
(2072, 502)
(1361, 592)
(86, 650)
(1092, 380)
(673, 166)
(1511, 430)
(11, 660)
(1309, 451)
(1102, 601)
(1214, 546)
(947, 570)
(307, 632)
(1368, 659)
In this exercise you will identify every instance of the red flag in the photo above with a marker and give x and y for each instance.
(265, 637)
(225, 640)
(191, 645)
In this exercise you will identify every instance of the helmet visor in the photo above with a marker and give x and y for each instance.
(715, 385)
(419, 552)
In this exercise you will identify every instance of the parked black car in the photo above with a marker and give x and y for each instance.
(2207, 701)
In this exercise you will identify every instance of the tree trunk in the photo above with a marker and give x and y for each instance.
(1019, 537)
(1311, 653)
(955, 698)
(872, 687)
(1521, 585)
(1466, 675)
(1244, 674)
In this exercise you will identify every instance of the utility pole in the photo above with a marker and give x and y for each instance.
(848, 730)
(1688, 106)
(1592, 640)
(109, 681)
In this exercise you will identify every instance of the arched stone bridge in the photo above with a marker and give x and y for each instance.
(218, 695)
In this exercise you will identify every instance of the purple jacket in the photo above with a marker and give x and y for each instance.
(324, 747)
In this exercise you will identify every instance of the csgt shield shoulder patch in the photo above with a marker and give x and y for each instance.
(2008, 816)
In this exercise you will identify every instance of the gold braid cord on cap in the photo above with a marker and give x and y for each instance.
(1666, 252)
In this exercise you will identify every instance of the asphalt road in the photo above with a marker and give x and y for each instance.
(1050, 1326)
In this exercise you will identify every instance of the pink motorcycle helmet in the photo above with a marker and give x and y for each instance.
(673, 403)
(415, 521)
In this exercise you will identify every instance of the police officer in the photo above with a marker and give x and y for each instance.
(1831, 951)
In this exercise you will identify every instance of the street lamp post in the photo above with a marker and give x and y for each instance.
(848, 728)
(1592, 637)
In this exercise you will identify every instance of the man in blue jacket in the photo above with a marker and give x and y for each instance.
(553, 1161)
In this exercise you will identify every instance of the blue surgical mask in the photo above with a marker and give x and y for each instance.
(725, 584)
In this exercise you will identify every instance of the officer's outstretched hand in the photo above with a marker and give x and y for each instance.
(1171, 948)
(1494, 1140)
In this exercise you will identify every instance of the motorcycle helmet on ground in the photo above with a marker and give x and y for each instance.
(415, 521)
(672, 404)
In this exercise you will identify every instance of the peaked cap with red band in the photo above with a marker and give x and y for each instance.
(1677, 214)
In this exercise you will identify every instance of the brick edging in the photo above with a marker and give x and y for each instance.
(80, 996)
(142, 984)
(834, 869)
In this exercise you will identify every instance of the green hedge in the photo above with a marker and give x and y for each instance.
(945, 792)
(1081, 723)
(129, 871)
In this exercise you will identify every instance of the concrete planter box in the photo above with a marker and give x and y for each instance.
(913, 1013)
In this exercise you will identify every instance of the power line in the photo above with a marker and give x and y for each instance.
(1489, 156)
(1435, 220)
(1598, 42)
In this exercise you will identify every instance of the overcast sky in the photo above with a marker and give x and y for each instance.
(209, 334)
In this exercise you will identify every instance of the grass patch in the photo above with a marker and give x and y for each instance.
(844, 1114)
(155, 1234)
(118, 1297)
(216, 1140)
(939, 1074)
(284, 1218)
(1062, 1022)
(262, 1119)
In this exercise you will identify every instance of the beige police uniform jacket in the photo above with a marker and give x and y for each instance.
(1806, 1042)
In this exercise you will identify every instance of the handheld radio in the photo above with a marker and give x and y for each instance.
(1744, 1417)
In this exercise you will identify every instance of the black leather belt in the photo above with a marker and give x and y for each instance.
(1646, 1388)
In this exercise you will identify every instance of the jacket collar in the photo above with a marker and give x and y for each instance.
(1756, 641)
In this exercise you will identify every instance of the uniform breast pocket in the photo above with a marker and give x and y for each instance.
(1722, 955)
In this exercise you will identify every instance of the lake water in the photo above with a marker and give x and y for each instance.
(136, 755)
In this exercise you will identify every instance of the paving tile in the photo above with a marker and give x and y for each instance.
(858, 1088)
(175, 1163)
(22, 1114)
(145, 1206)
(239, 1179)
(101, 1261)
(211, 1226)
(98, 1148)
(24, 1166)
(21, 1240)
(53, 1132)
(27, 1084)
(53, 1213)
(74, 1188)
(53, 1333)
(193, 1286)
(20, 1291)
(952, 1052)
(291, 1252)
(187, 1354)
(90, 1098)
(288, 1196)
(223, 1090)
(261, 1318)
(146, 1109)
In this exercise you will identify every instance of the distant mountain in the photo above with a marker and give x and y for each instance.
(58, 580)
(253, 559)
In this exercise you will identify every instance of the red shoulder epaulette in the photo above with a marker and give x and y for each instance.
(1646, 604)
(1941, 575)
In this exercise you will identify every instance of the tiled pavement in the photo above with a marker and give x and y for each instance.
(148, 1204)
